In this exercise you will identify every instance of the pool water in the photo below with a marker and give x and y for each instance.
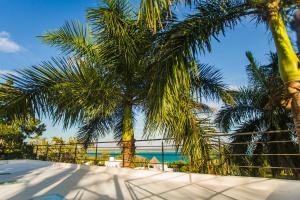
(50, 197)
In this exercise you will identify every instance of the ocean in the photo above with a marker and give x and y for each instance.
(168, 156)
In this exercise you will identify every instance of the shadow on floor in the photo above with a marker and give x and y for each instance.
(82, 184)
(30, 189)
(139, 192)
(67, 181)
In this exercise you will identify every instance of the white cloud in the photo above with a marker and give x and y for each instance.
(7, 45)
(4, 34)
(234, 87)
(5, 72)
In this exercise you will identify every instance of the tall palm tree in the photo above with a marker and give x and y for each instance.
(212, 17)
(175, 105)
(261, 106)
(98, 85)
(178, 84)
(106, 75)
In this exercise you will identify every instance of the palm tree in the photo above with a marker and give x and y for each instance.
(106, 76)
(261, 106)
(178, 84)
(212, 17)
(98, 85)
(179, 113)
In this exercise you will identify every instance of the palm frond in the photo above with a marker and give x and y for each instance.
(208, 83)
(93, 128)
(48, 88)
(255, 75)
(118, 129)
(176, 49)
(244, 108)
(72, 37)
(112, 17)
(116, 31)
(196, 146)
(151, 10)
(262, 99)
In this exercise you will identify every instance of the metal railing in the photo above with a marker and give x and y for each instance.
(223, 156)
(74, 152)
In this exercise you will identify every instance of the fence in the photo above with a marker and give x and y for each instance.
(268, 154)
(101, 151)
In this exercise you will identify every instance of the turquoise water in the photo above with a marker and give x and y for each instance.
(168, 156)
(50, 197)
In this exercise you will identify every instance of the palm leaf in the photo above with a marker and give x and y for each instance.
(48, 88)
(94, 127)
(244, 107)
(255, 75)
(207, 83)
(72, 37)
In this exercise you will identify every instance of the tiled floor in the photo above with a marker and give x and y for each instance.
(22, 180)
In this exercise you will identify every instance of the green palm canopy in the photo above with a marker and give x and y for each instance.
(262, 106)
(112, 69)
(213, 17)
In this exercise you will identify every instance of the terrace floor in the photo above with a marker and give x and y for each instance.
(27, 179)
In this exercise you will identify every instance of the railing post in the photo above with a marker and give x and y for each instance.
(228, 167)
(190, 167)
(219, 145)
(96, 152)
(24, 150)
(162, 155)
(220, 155)
(123, 156)
(36, 152)
(59, 154)
(47, 151)
(75, 153)
(123, 160)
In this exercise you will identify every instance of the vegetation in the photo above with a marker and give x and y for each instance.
(109, 72)
(213, 17)
(122, 62)
(262, 106)
(101, 81)
(14, 131)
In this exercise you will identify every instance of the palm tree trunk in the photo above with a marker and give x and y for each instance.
(128, 137)
(287, 60)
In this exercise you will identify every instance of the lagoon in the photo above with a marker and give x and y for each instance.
(168, 156)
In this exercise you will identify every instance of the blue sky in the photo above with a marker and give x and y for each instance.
(22, 21)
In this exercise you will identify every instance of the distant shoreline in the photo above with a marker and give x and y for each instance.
(169, 156)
